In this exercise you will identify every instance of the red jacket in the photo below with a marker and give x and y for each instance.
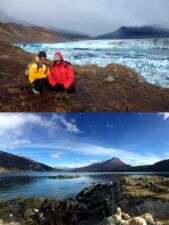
(61, 74)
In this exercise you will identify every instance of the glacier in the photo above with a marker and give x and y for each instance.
(148, 57)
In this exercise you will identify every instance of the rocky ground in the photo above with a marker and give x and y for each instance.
(114, 88)
(127, 201)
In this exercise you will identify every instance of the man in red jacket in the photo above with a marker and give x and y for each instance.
(61, 76)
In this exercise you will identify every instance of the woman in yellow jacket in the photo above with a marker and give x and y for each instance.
(38, 72)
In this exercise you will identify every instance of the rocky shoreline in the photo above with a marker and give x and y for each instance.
(128, 201)
(115, 88)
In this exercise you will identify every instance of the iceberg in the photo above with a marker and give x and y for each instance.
(149, 57)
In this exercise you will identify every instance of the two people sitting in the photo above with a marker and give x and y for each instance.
(58, 77)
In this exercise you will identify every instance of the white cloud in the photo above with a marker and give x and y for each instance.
(15, 127)
(70, 125)
(75, 165)
(55, 155)
(14, 132)
(11, 123)
(16, 122)
(129, 157)
(167, 155)
(164, 115)
(93, 17)
(20, 142)
(92, 150)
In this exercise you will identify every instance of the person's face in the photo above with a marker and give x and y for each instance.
(43, 59)
(58, 62)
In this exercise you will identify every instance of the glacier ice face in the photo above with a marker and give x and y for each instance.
(149, 57)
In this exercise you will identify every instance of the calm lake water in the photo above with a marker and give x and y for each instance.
(36, 184)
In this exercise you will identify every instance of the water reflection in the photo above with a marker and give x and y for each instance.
(16, 185)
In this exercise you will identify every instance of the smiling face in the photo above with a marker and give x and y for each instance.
(57, 58)
(42, 59)
(58, 62)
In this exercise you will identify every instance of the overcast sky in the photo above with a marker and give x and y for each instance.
(92, 17)
(75, 140)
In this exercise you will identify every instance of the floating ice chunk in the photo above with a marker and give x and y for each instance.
(149, 57)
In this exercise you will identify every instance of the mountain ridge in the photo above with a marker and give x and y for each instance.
(137, 32)
(162, 166)
(6, 18)
(105, 166)
(21, 31)
(13, 32)
(116, 165)
(11, 163)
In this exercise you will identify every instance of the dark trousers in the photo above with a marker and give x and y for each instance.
(39, 84)
(60, 88)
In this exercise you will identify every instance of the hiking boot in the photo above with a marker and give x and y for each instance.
(35, 91)
(58, 94)
(67, 95)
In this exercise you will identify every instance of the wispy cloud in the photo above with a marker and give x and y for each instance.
(55, 155)
(164, 115)
(97, 151)
(127, 156)
(70, 126)
(21, 142)
(93, 17)
(16, 123)
(56, 136)
(75, 165)
(15, 128)
(166, 155)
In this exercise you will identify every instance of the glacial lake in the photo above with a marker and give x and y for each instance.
(42, 184)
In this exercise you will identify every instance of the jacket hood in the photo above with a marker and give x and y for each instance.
(59, 54)
(36, 58)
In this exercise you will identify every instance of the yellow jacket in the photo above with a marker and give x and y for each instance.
(38, 71)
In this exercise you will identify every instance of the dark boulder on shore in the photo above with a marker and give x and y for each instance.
(96, 205)
(91, 206)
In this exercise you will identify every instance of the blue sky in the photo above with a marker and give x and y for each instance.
(79, 139)
(90, 17)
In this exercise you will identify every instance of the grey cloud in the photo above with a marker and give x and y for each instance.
(91, 17)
